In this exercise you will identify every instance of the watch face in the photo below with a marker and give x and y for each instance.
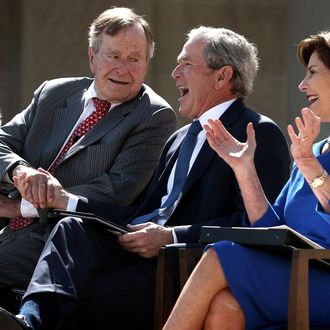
(317, 182)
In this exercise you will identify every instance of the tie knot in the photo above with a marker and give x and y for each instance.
(101, 105)
(195, 128)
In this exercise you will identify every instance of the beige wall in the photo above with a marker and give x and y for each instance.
(44, 39)
(239, 15)
(306, 17)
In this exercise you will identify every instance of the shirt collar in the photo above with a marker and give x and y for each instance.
(91, 92)
(215, 112)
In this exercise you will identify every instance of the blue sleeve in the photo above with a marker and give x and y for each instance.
(325, 216)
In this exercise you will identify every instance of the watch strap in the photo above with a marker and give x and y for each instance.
(12, 167)
(318, 182)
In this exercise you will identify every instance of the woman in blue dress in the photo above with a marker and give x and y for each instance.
(237, 287)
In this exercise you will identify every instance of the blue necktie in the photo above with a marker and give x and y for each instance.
(182, 166)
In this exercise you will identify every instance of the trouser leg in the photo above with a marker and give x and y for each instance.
(118, 298)
(71, 255)
(19, 253)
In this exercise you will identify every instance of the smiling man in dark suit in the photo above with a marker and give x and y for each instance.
(111, 161)
(88, 278)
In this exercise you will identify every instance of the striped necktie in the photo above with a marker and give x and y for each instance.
(101, 109)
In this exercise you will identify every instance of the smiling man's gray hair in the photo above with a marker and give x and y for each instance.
(111, 21)
(226, 47)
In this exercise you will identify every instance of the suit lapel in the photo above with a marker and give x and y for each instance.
(232, 114)
(111, 119)
(206, 153)
(62, 121)
(172, 155)
(103, 127)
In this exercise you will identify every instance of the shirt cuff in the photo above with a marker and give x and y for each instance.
(72, 203)
(175, 239)
(28, 210)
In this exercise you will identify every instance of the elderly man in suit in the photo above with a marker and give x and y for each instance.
(86, 277)
(111, 161)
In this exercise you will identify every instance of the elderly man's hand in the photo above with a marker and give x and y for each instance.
(146, 239)
(41, 189)
(33, 185)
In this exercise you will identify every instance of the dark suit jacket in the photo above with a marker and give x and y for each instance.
(113, 162)
(211, 195)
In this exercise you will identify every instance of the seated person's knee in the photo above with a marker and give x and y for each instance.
(224, 313)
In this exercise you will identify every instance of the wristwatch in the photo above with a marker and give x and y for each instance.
(318, 182)
(11, 169)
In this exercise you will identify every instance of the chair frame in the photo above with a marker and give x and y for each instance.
(175, 264)
(177, 261)
(298, 311)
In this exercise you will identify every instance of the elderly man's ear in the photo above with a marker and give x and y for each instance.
(224, 75)
(91, 59)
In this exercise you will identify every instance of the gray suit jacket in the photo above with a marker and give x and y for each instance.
(113, 162)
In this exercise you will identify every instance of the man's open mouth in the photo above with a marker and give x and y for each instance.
(183, 91)
(312, 99)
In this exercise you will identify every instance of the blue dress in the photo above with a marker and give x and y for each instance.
(260, 280)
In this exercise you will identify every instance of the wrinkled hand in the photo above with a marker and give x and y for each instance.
(308, 129)
(146, 239)
(233, 152)
(32, 184)
(41, 189)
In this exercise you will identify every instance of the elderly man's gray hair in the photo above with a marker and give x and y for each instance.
(225, 47)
